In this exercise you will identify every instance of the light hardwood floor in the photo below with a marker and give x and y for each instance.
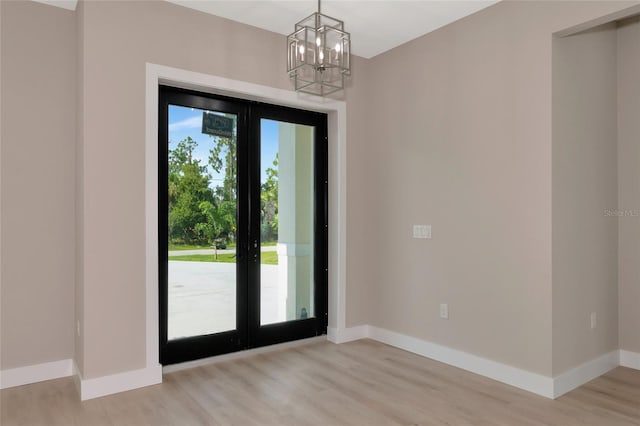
(357, 383)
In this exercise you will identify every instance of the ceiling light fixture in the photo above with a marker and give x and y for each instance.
(319, 54)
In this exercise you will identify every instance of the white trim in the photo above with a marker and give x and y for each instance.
(77, 377)
(338, 217)
(332, 333)
(337, 127)
(513, 376)
(345, 335)
(120, 382)
(611, 17)
(630, 359)
(35, 373)
(241, 354)
(151, 218)
(584, 373)
(523, 379)
(64, 4)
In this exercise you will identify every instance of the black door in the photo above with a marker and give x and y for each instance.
(242, 224)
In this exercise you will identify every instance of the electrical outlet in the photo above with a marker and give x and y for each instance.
(594, 319)
(444, 311)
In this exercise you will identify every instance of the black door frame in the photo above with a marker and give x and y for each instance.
(298, 329)
(249, 333)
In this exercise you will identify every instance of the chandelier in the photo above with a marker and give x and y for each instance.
(318, 54)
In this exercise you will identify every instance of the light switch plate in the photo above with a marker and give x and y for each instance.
(444, 311)
(422, 231)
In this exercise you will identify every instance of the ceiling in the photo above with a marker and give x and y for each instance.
(375, 25)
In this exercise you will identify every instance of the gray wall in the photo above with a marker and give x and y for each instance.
(585, 187)
(465, 144)
(468, 151)
(629, 183)
(112, 141)
(38, 168)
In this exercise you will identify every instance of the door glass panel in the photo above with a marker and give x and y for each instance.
(287, 222)
(202, 222)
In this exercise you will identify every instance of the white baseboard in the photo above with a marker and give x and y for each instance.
(344, 335)
(523, 379)
(532, 382)
(35, 373)
(536, 383)
(630, 359)
(513, 376)
(584, 373)
(332, 334)
(120, 382)
(77, 374)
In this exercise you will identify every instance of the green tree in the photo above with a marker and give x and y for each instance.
(220, 218)
(269, 204)
(188, 188)
(223, 160)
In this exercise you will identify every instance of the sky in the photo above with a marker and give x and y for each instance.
(185, 122)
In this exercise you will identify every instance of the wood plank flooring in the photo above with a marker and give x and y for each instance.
(357, 383)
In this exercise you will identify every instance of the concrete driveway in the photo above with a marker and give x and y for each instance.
(202, 297)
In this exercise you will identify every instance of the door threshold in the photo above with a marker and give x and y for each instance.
(240, 354)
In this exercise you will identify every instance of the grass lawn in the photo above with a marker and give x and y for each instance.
(266, 258)
(176, 247)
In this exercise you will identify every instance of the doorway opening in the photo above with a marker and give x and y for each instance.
(242, 218)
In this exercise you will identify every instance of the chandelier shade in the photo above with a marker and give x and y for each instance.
(319, 54)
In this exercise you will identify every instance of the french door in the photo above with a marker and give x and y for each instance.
(242, 214)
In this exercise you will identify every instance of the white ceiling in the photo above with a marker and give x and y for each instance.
(375, 25)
